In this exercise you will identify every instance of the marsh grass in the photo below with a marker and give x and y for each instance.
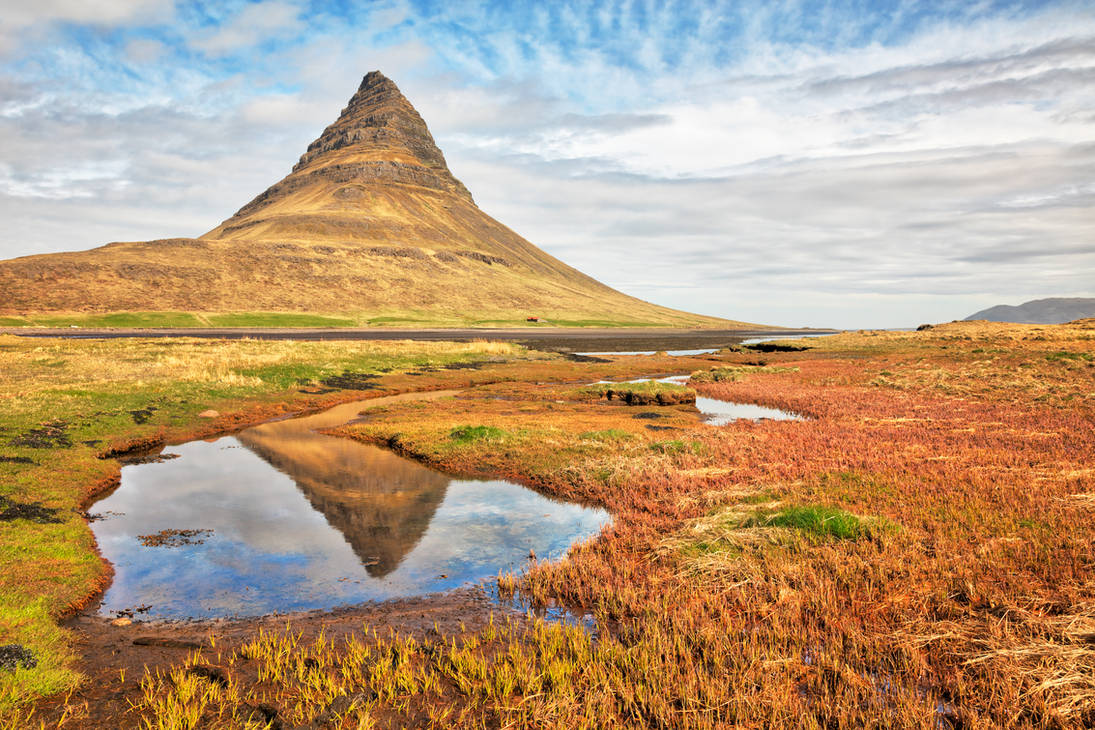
(677, 446)
(756, 579)
(608, 434)
(468, 434)
(734, 373)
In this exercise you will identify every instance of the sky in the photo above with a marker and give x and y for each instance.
(804, 163)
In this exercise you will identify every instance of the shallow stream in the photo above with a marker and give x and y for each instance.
(288, 519)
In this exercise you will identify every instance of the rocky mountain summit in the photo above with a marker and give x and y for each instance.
(370, 223)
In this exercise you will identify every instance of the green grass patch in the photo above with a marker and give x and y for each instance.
(13, 322)
(610, 434)
(117, 319)
(1064, 355)
(470, 434)
(818, 521)
(277, 319)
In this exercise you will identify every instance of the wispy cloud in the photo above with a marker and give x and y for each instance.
(917, 160)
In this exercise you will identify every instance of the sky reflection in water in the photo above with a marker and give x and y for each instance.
(304, 521)
(721, 412)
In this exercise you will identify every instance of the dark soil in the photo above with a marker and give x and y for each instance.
(467, 365)
(649, 415)
(584, 358)
(216, 675)
(50, 435)
(16, 460)
(174, 538)
(13, 656)
(352, 381)
(143, 415)
(774, 347)
(33, 511)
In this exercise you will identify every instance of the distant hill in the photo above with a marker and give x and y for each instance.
(1040, 311)
(370, 225)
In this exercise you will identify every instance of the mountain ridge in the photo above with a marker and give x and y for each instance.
(370, 223)
(1052, 310)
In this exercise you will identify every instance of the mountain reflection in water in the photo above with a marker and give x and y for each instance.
(301, 520)
(380, 502)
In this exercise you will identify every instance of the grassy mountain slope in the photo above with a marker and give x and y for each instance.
(369, 225)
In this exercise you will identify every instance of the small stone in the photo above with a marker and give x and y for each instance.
(209, 414)
(123, 621)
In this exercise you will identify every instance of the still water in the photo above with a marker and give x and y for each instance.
(721, 412)
(304, 521)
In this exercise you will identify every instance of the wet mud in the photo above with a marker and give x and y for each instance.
(32, 511)
(49, 435)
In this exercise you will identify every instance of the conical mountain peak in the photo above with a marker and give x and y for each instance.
(379, 124)
(379, 140)
(370, 223)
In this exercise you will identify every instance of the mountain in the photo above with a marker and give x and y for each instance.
(370, 224)
(1040, 311)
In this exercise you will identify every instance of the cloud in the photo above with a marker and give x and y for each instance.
(144, 50)
(255, 23)
(781, 163)
(22, 21)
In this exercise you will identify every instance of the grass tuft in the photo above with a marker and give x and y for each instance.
(469, 434)
(817, 520)
(734, 373)
(608, 434)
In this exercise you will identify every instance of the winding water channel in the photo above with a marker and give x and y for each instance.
(293, 520)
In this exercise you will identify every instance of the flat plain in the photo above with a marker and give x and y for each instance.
(916, 551)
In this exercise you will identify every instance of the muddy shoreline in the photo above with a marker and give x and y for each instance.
(114, 659)
(557, 339)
